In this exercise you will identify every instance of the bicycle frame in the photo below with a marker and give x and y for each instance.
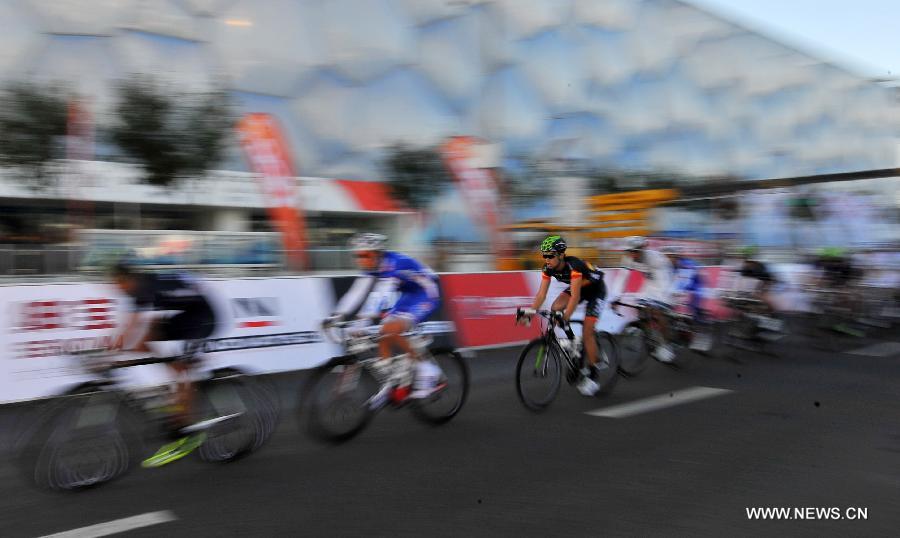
(550, 337)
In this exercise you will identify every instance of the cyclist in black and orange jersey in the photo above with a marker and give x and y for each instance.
(585, 284)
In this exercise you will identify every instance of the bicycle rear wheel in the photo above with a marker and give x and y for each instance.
(446, 403)
(539, 374)
(84, 441)
(337, 400)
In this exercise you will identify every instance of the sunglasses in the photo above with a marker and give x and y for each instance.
(548, 256)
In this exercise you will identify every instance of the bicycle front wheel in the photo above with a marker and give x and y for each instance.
(231, 419)
(606, 372)
(633, 349)
(338, 400)
(539, 374)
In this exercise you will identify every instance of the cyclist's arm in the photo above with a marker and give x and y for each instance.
(127, 333)
(575, 298)
(542, 293)
(352, 301)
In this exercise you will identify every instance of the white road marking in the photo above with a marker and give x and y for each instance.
(655, 403)
(883, 349)
(117, 525)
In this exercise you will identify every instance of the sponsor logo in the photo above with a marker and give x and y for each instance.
(266, 340)
(255, 312)
(78, 315)
(480, 307)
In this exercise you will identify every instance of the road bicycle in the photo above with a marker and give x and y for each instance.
(97, 431)
(540, 366)
(342, 396)
(640, 338)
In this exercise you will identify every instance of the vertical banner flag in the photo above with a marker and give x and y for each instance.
(79, 147)
(477, 184)
(269, 157)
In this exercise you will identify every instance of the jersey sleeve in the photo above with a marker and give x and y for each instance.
(579, 268)
(414, 272)
(352, 301)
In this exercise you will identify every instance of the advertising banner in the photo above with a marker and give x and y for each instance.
(269, 157)
(476, 183)
(264, 325)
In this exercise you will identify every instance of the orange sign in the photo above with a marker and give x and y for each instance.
(269, 157)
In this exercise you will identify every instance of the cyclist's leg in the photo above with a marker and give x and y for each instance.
(590, 343)
(404, 317)
(559, 304)
(180, 330)
(392, 329)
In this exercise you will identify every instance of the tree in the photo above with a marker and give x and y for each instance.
(33, 126)
(172, 135)
(415, 175)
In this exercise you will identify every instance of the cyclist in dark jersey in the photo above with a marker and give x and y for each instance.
(585, 284)
(193, 319)
(836, 268)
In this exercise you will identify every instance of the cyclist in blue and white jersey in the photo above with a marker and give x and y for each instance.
(688, 283)
(419, 298)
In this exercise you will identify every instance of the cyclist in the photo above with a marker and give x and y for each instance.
(659, 274)
(689, 282)
(190, 317)
(585, 284)
(762, 281)
(419, 298)
(836, 269)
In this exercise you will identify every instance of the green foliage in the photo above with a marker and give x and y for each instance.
(415, 175)
(172, 135)
(33, 125)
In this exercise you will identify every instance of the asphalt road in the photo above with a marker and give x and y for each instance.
(810, 429)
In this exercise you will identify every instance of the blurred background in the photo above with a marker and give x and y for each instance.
(239, 136)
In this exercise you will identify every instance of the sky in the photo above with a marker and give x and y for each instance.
(860, 35)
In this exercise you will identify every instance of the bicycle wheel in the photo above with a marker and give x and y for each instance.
(539, 374)
(337, 399)
(265, 408)
(606, 373)
(230, 418)
(633, 349)
(84, 441)
(445, 404)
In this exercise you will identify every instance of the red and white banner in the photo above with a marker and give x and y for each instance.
(477, 184)
(483, 307)
(269, 157)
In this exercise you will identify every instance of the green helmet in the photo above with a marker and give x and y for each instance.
(553, 243)
(749, 251)
(832, 252)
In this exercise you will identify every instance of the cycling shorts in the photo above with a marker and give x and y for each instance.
(593, 295)
(416, 307)
(196, 322)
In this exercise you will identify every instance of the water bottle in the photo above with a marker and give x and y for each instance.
(577, 346)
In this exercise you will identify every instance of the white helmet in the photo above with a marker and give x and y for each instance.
(635, 242)
(367, 241)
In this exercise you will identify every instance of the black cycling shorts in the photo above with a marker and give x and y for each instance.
(594, 294)
(194, 323)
